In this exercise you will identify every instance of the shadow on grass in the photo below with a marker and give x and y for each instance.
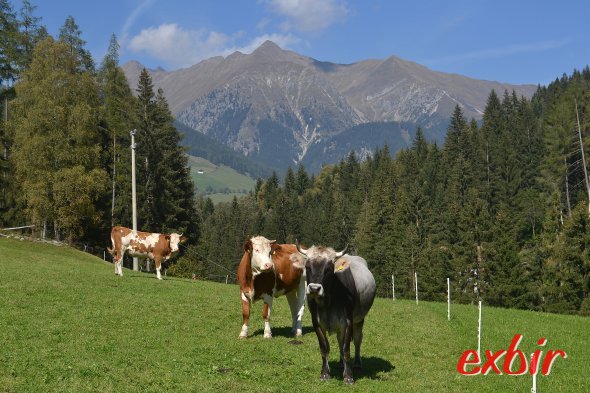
(284, 331)
(372, 368)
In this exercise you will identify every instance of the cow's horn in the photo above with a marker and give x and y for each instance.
(272, 241)
(299, 247)
(339, 254)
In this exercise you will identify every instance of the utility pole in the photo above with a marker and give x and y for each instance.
(114, 175)
(133, 199)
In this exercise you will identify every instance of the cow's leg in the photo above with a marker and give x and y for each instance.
(118, 252)
(246, 306)
(296, 301)
(266, 315)
(340, 337)
(322, 340)
(347, 375)
(357, 332)
(118, 259)
(158, 267)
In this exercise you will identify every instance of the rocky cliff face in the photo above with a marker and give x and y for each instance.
(277, 106)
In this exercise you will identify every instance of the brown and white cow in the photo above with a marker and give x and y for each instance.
(266, 272)
(155, 246)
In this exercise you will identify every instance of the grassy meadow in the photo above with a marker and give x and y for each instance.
(224, 181)
(68, 324)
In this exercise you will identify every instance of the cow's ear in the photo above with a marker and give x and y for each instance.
(248, 246)
(341, 265)
(167, 237)
(298, 260)
(343, 273)
(183, 239)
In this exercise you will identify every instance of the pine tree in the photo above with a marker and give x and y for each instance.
(147, 153)
(31, 33)
(175, 189)
(119, 119)
(70, 34)
(8, 74)
(165, 191)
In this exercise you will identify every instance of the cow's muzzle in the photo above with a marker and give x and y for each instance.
(315, 289)
(267, 266)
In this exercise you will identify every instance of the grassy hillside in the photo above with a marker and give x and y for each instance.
(200, 145)
(68, 324)
(219, 182)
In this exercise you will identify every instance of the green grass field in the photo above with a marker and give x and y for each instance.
(222, 182)
(68, 324)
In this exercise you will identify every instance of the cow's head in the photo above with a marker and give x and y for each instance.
(175, 240)
(260, 250)
(322, 265)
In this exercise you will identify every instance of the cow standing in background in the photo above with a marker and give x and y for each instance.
(266, 272)
(340, 292)
(155, 246)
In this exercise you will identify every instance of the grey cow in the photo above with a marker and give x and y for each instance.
(340, 291)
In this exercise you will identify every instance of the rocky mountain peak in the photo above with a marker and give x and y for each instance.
(277, 106)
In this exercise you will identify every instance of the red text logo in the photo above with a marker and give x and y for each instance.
(511, 361)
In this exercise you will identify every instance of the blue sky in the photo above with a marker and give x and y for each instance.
(513, 41)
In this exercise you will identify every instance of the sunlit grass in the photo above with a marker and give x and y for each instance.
(68, 324)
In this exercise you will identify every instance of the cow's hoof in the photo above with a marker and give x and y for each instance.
(298, 333)
(242, 337)
(324, 376)
(348, 380)
(269, 335)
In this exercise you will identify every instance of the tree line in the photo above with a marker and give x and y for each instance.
(501, 208)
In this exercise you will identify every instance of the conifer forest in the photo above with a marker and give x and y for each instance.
(502, 207)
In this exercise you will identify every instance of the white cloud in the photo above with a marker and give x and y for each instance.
(309, 15)
(177, 47)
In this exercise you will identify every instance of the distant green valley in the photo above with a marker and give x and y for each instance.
(219, 182)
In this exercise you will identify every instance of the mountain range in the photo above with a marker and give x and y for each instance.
(280, 108)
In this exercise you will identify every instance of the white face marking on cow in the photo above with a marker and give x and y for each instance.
(261, 255)
(327, 253)
(174, 241)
